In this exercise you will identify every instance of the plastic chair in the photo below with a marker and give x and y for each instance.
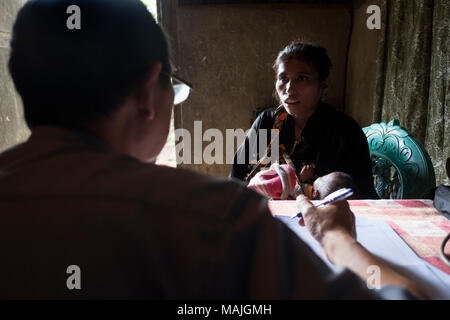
(401, 167)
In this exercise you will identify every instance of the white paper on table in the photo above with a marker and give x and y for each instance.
(379, 238)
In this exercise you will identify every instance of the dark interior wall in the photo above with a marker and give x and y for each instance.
(227, 51)
(12, 126)
(362, 67)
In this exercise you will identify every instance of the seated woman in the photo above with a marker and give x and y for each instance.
(311, 132)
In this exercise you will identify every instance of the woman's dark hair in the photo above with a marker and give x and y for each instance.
(311, 53)
(72, 77)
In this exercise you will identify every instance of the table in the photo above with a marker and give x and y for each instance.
(417, 222)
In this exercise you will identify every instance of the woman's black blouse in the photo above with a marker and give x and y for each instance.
(331, 140)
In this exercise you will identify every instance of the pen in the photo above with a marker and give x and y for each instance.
(340, 194)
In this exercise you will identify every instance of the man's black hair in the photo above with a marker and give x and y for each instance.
(73, 77)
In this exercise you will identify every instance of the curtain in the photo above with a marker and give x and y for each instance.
(412, 80)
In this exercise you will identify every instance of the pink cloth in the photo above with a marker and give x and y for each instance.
(276, 183)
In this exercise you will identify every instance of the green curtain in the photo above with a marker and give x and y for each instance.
(412, 81)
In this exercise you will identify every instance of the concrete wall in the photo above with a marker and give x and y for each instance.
(12, 126)
(226, 51)
(362, 67)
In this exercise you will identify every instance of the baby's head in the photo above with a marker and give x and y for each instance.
(325, 185)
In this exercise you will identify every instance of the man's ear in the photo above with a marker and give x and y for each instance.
(324, 84)
(147, 91)
(323, 89)
(154, 71)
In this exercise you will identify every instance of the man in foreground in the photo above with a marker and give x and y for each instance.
(85, 212)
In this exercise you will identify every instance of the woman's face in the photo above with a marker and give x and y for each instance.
(298, 86)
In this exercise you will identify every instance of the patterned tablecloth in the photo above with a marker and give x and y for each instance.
(417, 222)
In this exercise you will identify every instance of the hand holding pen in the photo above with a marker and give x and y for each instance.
(340, 194)
(337, 216)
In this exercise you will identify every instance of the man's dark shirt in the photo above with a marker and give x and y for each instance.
(331, 140)
(141, 231)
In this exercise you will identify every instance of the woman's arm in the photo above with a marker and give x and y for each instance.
(356, 160)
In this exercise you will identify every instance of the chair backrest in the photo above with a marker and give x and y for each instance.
(401, 167)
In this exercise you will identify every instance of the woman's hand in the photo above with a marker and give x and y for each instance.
(307, 172)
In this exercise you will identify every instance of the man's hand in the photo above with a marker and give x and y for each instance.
(334, 227)
(335, 216)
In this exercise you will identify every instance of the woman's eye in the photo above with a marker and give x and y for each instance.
(283, 79)
(303, 78)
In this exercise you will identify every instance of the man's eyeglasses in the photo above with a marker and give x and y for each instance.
(181, 88)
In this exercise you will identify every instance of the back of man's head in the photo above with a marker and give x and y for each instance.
(334, 181)
(69, 76)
